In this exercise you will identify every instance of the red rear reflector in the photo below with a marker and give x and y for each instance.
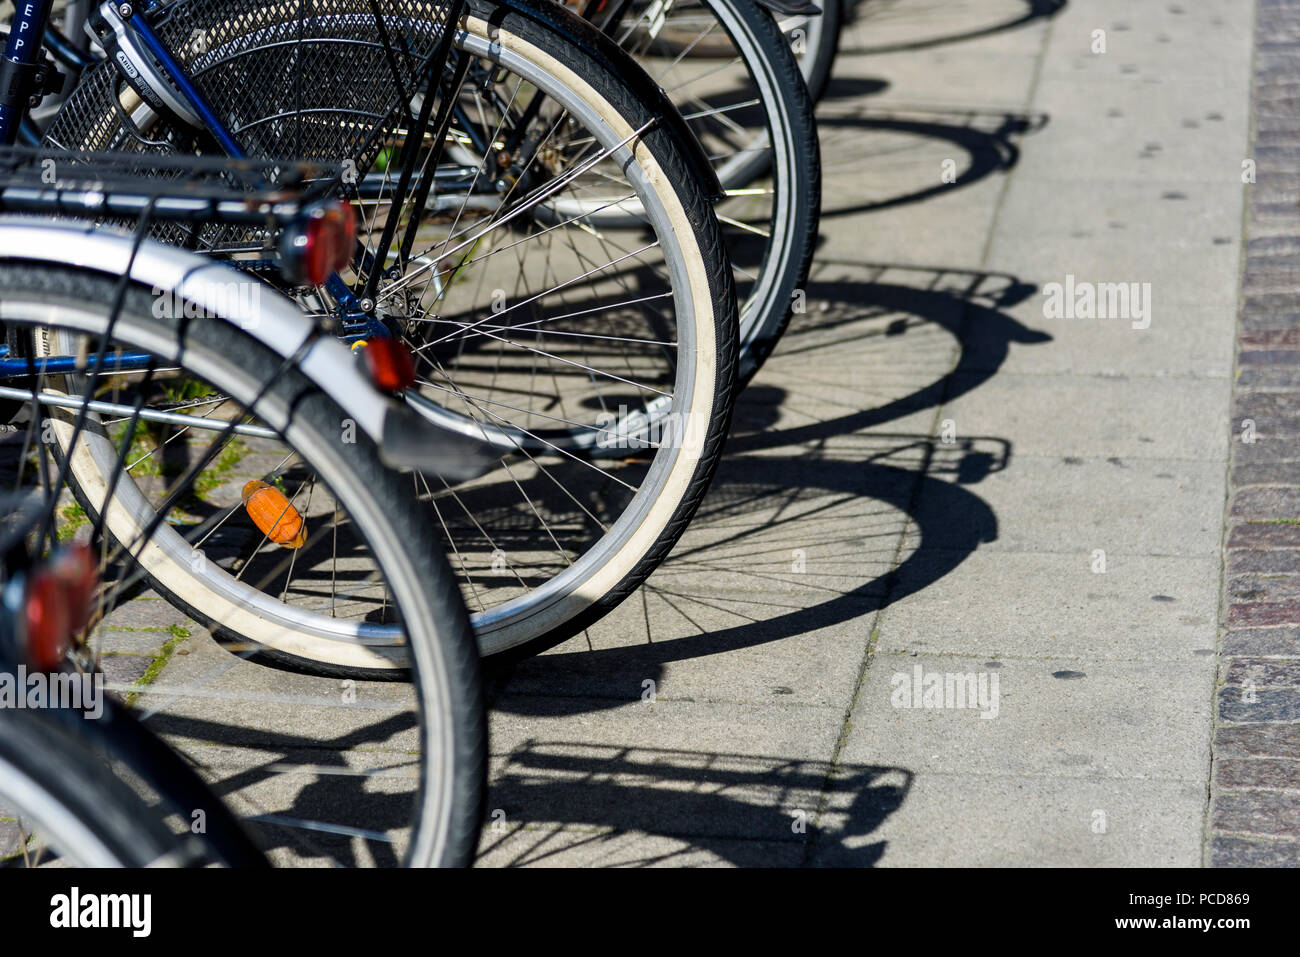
(390, 364)
(47, 620)
(77, 571)
(323, 245)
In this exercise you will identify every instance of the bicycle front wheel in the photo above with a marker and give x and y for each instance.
(194, 415)
(60, 806)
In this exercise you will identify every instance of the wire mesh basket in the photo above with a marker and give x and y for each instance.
(328, 80)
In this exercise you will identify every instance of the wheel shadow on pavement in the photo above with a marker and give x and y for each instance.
(866, 20)
(569, 803)
(318, 823)
(839, 495)
(817, 516)
(898, 156)
(916, 337)
(801, 570)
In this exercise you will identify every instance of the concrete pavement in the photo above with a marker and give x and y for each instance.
(932, 473)
(954, 598)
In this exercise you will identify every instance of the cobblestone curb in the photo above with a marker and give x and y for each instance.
(1254, 816)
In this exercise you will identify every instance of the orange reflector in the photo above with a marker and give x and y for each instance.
(274, 515)
(389, 363)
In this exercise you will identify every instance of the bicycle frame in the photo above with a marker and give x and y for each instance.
(358, 319)
(405, 438)
(22, 53)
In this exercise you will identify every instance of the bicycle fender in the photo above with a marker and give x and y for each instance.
(404, 437)
(570, 25)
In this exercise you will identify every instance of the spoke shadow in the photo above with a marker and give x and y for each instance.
(833, 502)
(909, 499)
(794, 470)
(899, 153)
(700, 806)
(335, 799)
(897, 310)
(948, 521)
(863, 17)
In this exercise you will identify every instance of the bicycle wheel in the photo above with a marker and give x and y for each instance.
(599, 361)
(59, 805)
(164, 477)
(815, 41)
(730, 72)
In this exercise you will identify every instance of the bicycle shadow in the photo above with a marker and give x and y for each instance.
(899, 144)
(791, 466)
(841, 471)
(906, 307)
(849, 87)
(863, 17)
(950, 522)
(869, 516)
(701, 807)
(333, 800)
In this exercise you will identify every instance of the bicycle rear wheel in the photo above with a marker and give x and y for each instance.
(598, 361)
(727, 67)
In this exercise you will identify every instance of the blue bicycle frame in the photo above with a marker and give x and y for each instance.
(22, 50)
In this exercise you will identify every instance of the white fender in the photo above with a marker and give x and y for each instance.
(405, 439)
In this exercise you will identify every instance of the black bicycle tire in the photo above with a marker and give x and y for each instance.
(70, 777)
(818, 61)
(439, 601)
(796, 114)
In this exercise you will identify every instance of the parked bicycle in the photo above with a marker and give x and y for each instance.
(567, 344)
(176, 421)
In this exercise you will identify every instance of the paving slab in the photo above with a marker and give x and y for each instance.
(1132, 418)
(1140, 608)
(1034, 717)
(1144, 506)
(995, 821)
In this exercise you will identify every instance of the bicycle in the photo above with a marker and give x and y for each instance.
(498, 296)
(121, 352)
(63, 798)
(727, 67)
(57, 803)
(754, 119)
